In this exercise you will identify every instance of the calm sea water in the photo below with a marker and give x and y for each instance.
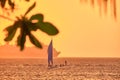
(76, 69)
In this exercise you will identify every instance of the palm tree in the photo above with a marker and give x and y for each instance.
(27, 25)
(103, 5)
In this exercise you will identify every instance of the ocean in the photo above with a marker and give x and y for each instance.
(75, 69)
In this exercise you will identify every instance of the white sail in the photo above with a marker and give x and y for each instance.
(50, 54)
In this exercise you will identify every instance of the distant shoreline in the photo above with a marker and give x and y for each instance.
(69, 58)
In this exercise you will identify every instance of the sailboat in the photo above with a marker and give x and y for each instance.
(50, 54)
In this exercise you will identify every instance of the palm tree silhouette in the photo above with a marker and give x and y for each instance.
(103, 6)
(27, 25)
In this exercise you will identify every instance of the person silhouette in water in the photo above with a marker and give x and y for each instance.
(65, 62)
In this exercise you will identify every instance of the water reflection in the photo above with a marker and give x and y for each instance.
(104, 6)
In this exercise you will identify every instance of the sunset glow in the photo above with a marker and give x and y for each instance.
(83, 32)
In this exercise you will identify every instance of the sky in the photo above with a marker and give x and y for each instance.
(83, 32)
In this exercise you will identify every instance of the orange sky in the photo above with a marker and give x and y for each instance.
(83, 33)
